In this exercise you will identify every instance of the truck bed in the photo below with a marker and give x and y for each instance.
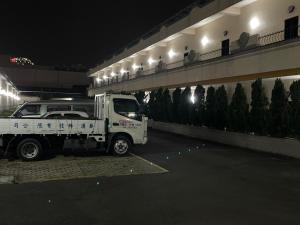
(51, 127)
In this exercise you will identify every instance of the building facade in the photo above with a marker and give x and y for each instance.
(9, 96)
(219, 42)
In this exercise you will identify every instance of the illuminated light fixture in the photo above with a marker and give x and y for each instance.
(9, 94)
(193, 99)
(113, 74)
(204, 41)
(151, 61)
(134, 66)
(122, 71)
(254, 23)
(105, 77)
(98, 80)
(171, 53)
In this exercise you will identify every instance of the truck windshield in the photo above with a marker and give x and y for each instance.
(28, 110)
(127, 107)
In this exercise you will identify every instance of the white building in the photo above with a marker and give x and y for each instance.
(9, 96)
(220, 42)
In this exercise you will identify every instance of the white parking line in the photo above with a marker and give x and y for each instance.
(151, 163)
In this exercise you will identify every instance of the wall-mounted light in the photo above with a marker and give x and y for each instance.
(113, 74)
(122, 71)
(98, 80)
(134, 66)
(151, 61)
(105, 77)
(254, 23)
(193, 99)
(204, 41)
(171, 53)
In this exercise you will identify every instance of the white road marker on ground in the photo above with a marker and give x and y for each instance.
(151, 163)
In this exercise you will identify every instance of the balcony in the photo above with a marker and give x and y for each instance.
(261, 43)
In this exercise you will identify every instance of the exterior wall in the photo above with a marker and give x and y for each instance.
(269, 62)
(11, 101)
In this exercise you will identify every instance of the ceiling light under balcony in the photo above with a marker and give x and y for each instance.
(122, 71)
(134, 66)
(205, 41)
(105, 77)
(113, 74)
(98, 80)
(151, 61)
(254, 23)
(171, 53)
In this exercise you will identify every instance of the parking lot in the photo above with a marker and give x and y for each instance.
(173, 180)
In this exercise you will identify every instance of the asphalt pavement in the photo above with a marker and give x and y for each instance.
(206, 184)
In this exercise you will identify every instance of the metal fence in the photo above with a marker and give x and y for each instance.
(265, 40)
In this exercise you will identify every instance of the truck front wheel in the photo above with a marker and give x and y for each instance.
(29, 149)
(121, 145)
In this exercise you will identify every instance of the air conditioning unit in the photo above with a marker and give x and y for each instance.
(245, 42)
(190, 58)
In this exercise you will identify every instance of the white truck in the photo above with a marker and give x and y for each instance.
(118, 124)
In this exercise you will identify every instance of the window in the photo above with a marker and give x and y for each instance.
(89, 109)
(73, 116)
(52, 108)
(128, 108)
(29, 110)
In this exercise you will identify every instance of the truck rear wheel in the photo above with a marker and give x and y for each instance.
(121, 145)
(29, 149)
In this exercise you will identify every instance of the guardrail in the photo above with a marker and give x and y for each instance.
(265, 40)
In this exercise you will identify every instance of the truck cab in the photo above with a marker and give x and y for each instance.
(124, 117)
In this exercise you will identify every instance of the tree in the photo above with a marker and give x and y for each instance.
(210, 107)
(199, 106)
(176, 100)
(295, 108)
(140, 96)
(167, 106)
(185, 106)
(238, 110)
(159, 104)
(221, 108)
(259, 108)
(278, 124)
(152, 106)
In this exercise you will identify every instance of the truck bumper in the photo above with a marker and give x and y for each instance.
(145, 140)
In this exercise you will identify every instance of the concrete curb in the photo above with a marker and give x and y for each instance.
(281, 146)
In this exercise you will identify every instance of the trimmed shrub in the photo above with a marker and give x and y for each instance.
(295, 108)
(238, 110)
(159, 104)
(140, 96)
(259, 108)
(278, 116)
(221, 108)
(167, 106)
(185, 106)
(210, 107)
(278, 123)
(151, 106)
(198, 115)
(176, 100)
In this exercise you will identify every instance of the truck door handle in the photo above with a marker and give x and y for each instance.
(116, 124)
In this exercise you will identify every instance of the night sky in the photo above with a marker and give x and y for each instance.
(77, 32)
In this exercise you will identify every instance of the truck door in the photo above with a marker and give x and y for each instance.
(99, 107)
(125, 117)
